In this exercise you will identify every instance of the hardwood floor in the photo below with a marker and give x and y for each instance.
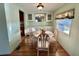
(27, 49)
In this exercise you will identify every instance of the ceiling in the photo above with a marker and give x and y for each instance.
(48, 7)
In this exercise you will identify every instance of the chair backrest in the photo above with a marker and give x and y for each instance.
(42, 41)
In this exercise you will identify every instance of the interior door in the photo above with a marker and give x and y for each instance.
(21, 15)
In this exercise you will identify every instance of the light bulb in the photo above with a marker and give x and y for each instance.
(36, 20)
(40, 8)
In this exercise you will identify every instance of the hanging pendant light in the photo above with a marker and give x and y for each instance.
(40, 6)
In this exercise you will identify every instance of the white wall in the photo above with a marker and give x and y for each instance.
(70, 43)
(4, 42)
(13, 25)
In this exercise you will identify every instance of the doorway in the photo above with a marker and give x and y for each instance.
(22, 28)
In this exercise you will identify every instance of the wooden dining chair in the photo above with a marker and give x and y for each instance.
(42, 45)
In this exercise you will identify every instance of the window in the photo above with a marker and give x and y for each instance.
(40, 17)
(64, 25)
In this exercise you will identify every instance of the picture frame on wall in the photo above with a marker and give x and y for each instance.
(66, 14)
(29, 16)
(49, 16)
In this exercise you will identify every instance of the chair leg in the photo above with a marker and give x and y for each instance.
(37, 52)
(48, 51)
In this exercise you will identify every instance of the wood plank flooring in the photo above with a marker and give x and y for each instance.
(26, 49)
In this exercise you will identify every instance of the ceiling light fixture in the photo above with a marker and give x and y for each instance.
(40, 6)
